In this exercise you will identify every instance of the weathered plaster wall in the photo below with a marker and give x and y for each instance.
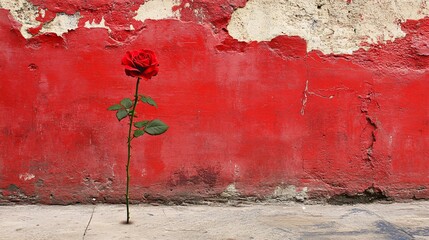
(328, 26)
(271, 99)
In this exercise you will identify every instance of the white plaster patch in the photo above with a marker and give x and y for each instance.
(26, 176)
(26, 13)
(93, 24)
(290, 193)
(329, 26)
(42, 13)
(23, 12)
(157, 10)
(61, 24)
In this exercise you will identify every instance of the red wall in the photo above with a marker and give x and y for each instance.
(239, 113)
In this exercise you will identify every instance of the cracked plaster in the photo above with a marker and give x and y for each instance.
(26, 14)
(157, 10)
(339, 27)
(23, 12)
(290, 192)
(101, 24)
(61, 24)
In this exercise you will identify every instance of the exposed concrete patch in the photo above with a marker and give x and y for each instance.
(290, 192)
(230, 191)
(329, 26)
(371, 194)
(23, 12)
(16, 194)
(102, 24)
(62, 23)
(157, 10)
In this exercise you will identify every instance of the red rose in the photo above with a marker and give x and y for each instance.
(140, 63)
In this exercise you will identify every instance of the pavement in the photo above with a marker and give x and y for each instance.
(217, 221)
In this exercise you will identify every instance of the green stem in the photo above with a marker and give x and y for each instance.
(127, 196)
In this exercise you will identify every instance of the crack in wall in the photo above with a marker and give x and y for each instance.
(369, 149)
(368, 135)
(310, 93)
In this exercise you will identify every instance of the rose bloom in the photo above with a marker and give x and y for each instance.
(141, 63)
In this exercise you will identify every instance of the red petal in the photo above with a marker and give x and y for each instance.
(142, 61)
(150, 72)
(126, 60)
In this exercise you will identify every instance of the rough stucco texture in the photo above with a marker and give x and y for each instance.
(285, 99)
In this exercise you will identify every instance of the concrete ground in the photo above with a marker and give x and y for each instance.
(215, 221)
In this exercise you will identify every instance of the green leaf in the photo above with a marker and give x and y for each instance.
(114, 107)
(141, 124)
(132, 112)
(148, 100)
(156, 127)
(138, 133)
(126, 102)
(121, 114)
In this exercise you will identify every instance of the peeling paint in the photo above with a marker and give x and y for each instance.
(26, 14)
(199, 14)
(23, 12)
(101, 24)
(62, 23)
(157, 10)
(329, 26)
